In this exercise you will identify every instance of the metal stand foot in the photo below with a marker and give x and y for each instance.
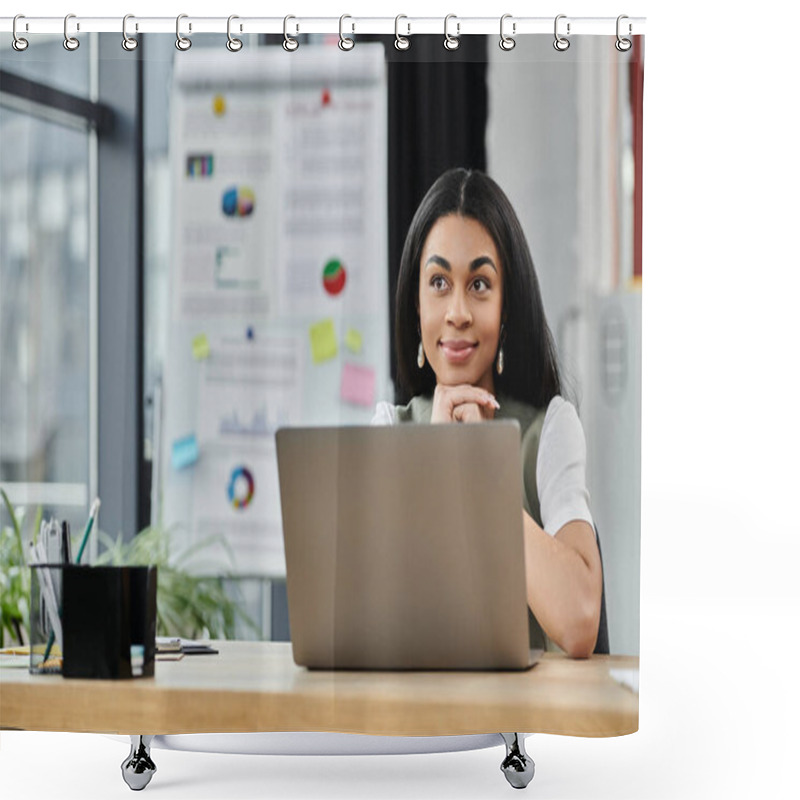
(517, 766)
(138, 768)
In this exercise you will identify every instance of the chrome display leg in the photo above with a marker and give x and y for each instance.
(138, 768)
(517, 766)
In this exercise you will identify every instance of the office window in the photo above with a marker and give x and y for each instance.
(45, 265)
(46, 61)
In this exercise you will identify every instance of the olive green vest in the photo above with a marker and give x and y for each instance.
(530, 422)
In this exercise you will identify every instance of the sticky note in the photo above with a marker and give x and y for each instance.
(184, 452)
(323, 341)
(358, 385)
(200, 348)
(352, 340)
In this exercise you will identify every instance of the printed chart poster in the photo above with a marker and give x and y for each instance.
(225, 202)
(247, 391)
(279, 312)
(329, 237)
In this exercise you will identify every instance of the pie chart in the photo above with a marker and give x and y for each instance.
(241, 488)
(238, 201)
(334, 277)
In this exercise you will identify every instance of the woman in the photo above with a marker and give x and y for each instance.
(473, 345)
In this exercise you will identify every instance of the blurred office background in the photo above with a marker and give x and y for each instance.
(85, 257)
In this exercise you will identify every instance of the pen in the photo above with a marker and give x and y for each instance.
(90, 522)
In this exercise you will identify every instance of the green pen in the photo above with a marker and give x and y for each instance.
(92, 517)
(89, 524)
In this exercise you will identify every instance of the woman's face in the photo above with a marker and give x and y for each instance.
(460, 301)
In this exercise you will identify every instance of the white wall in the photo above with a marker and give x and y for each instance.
(557, 140)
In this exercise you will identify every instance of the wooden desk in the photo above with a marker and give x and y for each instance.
(255, 686)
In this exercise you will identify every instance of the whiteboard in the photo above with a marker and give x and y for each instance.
(279, 311)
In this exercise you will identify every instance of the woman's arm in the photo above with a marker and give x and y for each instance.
(564, 583)
(563, 572)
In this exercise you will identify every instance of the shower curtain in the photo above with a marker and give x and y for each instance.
(214, 253)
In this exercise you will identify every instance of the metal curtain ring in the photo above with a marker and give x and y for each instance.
(18, 43)
(507, 42)
(289, 44)
(70, 42)
(233, 44)
(128, 42)
(561, 43)
(401, 42)
(345, 42)
(181, 42)
(623, 45)
(451, 42)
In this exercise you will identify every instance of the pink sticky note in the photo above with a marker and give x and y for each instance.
(358, 385)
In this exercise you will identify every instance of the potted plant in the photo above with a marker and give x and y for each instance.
(188, 605)
(15, 577)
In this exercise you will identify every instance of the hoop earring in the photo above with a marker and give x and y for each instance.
(420, 356)
(500, 359)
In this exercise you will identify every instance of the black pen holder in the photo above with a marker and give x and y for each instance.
(109, 621)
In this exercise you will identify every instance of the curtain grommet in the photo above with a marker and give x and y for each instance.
(71, 43)
(289, 43)
(233, 44)
(507, 42)
(622, 44)
(561, 43)
(182, 42)
(451, 42)
(345, 42)
(19, 43)
(401, 43)
(129, 44)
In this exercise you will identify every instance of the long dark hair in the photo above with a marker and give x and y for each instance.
(530, 371)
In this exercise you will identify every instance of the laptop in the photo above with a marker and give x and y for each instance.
(404, 546)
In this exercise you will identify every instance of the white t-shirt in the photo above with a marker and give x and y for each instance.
(560, 464)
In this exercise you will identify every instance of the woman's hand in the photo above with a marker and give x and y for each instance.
(462, 403)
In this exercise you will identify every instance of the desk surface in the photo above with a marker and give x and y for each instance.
(256, 686)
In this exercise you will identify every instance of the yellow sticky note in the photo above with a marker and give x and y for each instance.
(352, 340)
(323, 341)
(200, 348)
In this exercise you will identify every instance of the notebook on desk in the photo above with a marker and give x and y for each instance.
(404, 546)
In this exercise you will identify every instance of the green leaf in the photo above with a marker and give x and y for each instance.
(189, 604)
(14, 576)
